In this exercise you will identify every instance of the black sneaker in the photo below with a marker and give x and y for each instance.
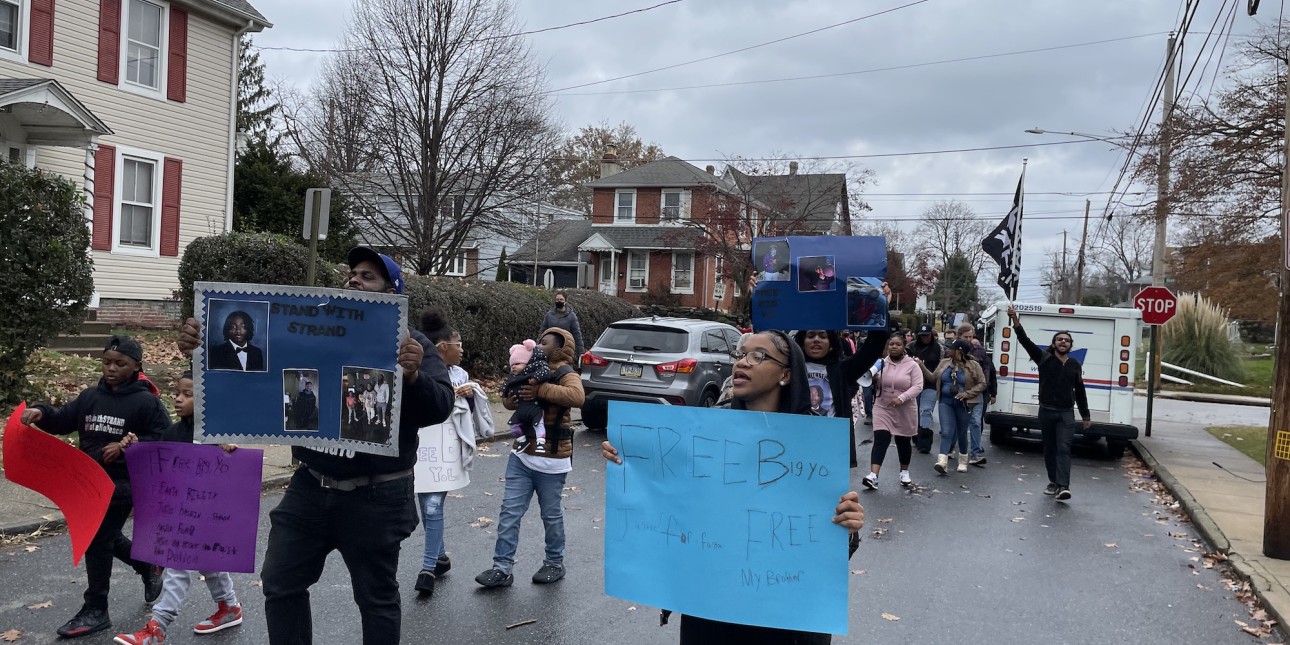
(547, 574)
(1051, 489)
(152, 583)
(425, 583)
(977, 460)
(1063, 494)
(88, 620)
(494, 578)
(442, 565)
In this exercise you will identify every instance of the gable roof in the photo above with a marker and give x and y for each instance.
(558, 242)
(239, 8)
(811, 198)
(669, 172)
(643, 237)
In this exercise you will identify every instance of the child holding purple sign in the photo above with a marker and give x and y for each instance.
(175, 582)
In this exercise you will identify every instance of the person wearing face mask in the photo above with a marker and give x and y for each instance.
(895, 410)
(561, 315)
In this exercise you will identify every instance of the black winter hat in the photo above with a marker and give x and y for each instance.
(126, 345)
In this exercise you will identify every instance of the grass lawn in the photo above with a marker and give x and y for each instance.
(1258, 379)
(1251, 440)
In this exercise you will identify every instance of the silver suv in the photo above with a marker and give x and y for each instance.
(672, 361)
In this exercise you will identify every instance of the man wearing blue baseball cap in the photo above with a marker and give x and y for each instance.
(359, 504)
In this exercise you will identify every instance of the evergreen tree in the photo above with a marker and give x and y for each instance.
(956, 289)
(503, 271)
(255, 105)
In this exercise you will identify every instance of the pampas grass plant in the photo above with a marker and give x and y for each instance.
(1196, 338)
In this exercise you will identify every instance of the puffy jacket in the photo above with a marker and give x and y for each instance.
(557, 398)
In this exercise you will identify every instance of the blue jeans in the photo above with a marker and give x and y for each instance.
(432, 518)
(954, 425)
(521, 483)
(974, 425)
(367, 525)
(926, 404)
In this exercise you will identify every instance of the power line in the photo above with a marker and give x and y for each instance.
(862, 71)
(740, 50)
(487, 38)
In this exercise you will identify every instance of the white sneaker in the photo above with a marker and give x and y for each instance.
(904, 478)
(870, 481)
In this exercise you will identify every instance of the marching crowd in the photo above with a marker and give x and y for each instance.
(364, 505)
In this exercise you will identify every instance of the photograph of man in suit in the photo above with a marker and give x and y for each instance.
(237, 352)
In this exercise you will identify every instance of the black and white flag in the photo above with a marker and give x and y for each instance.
(1004, 245)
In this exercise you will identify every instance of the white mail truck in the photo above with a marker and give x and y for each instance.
(1106, 344)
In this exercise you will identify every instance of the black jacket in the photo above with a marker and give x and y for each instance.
(426, 402)
(1061, 385)
(179, 432)
(930, 354)
(101, 416)
(224, 357)
(845, 371)
(568, 321)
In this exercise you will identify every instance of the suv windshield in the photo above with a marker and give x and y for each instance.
(644, 338)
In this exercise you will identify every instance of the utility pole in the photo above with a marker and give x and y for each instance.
(1276, 509)
(1162, 207)
(1079, 263)
(1065, 279)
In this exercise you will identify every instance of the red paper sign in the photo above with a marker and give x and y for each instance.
(68, 477)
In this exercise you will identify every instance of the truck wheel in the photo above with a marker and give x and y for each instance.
(1115, 448)
(1000, 435)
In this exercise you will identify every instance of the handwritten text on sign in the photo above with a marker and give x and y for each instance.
(195, 506)
(727, 515)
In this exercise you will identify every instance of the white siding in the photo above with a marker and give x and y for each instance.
(197, 132)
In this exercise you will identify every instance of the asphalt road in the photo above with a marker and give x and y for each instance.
(977, 557)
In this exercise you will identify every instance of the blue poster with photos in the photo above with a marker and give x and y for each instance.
(819, 282)
(298, 366)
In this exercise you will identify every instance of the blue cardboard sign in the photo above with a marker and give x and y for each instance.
(727, 515)
(298, 366)
(819, 282)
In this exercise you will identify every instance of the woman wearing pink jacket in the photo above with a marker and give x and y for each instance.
(895, 409)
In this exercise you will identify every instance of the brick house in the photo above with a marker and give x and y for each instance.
(658, 230)
(135, 101)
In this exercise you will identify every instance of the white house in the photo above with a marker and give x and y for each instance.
(136, 101)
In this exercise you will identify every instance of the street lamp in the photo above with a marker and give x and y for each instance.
(1091, 137)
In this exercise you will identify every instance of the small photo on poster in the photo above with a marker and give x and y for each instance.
(816, 273)
(771, 260)
(300, 400)
(231, 339)
(866, 305)
(365, 413)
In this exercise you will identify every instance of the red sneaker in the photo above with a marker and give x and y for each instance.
(226, 616)
(151, 634)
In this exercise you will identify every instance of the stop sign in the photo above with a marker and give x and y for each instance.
(1158, 305)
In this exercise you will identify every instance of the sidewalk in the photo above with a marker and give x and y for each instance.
(24, 511)
(1227, 510)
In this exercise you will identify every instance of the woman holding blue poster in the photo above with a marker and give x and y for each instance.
(769, 376)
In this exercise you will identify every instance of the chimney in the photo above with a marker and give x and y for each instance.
(712, 170)
(609, 165)
(792, 168)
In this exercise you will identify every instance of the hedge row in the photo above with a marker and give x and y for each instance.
(492, 316)
(252, 258)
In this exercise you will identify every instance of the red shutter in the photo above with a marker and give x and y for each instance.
(104, 185)
(172, 183)
(109, 40)
(40, 47)
(177, 58)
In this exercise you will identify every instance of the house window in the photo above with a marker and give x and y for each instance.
(138, 203)
(626, 211)
(682, 273)
(672, 210)
(458, 265)
(143, 33)
(637, 270)
(10, 25)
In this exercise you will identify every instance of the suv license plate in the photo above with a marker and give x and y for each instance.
(630, 370)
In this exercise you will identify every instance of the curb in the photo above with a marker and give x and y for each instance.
(1250, 572)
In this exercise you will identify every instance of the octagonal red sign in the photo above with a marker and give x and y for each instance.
(1158, 305)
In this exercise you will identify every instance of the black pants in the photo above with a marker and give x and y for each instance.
(110, 543)
(367, 525)
(1058, 428)
(701, 631)
(882, 439)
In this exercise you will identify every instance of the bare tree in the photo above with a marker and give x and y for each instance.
(1122, 252)
(951, 228)
(1058, 277)
(435, 121)
(577, 161)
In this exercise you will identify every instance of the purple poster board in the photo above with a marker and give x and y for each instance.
(195, 506)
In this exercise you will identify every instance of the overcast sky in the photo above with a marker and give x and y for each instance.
(1095, 88)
